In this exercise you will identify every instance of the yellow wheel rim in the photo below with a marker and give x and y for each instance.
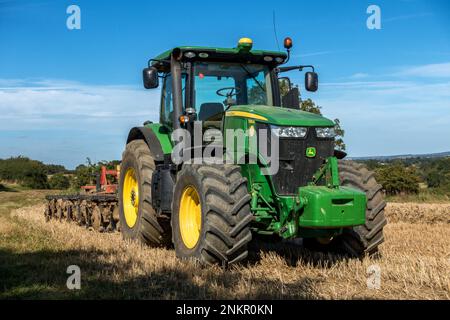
(130, 197)
(190, 217)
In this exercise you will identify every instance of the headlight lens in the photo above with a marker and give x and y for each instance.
(289, 132)
(325, 132)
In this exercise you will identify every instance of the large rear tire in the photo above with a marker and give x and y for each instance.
(138, 219)
(365, 239)
(211, 214)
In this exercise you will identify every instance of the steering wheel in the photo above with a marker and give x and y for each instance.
(232, 91)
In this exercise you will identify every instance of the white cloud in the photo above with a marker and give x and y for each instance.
(359, 75)
(437, 70)
(65, 122)
(390, 117)
(57, 103)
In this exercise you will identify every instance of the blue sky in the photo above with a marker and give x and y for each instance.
(70, 94)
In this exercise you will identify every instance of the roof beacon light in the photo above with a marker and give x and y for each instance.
(245, 44)
(287, 43)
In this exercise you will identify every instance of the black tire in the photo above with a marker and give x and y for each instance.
(147, 229)
(365, 239)
(225, 214)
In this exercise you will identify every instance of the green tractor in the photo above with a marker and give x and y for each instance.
(210, 210)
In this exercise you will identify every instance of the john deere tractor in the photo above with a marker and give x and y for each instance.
(210, 211)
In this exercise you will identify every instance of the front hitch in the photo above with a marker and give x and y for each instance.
(324, 204)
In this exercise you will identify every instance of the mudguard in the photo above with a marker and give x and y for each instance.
(147, 134)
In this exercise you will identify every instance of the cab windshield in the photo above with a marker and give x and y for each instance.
(221, 85)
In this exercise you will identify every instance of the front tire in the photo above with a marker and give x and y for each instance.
(211, 214)
(365, 239)
(138, 219)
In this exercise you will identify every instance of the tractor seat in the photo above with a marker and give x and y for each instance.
(209, 109)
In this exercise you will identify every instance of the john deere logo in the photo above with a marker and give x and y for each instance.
(310, 152)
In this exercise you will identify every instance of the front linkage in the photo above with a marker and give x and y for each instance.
(320, 210)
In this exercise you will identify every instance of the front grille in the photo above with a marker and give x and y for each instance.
(295, 169)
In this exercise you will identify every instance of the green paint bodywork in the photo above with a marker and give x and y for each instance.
(315, 211)
(332, 207)
(284, 116)
(163, 135)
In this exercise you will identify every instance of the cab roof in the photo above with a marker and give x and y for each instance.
(162, 61)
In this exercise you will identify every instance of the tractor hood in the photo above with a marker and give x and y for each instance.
(279, 116)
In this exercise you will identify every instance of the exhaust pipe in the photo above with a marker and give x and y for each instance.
(177, 98)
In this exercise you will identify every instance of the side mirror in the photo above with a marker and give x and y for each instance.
(311, 81)
(150, 78)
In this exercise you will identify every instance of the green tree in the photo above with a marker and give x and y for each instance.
(24, 171)
(434, 179)
(54, 168)
(59, 181)
(371, 164)
(339, 140)
(85, 174)
(309, 106)
(436, 173)
(397, 179)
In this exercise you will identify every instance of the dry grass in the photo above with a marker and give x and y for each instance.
(418, 212)
(414, 264)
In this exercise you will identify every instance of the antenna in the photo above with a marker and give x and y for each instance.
(275, 29)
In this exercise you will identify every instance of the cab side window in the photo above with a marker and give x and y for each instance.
(167, 100)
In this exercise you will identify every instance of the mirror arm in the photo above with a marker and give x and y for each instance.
(307, 66)
(299, 68)
(156, 60)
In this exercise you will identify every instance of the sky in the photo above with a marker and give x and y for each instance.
(66, 95)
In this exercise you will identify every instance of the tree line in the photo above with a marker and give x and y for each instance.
(411, 175)
(398, 177)
(35, 174)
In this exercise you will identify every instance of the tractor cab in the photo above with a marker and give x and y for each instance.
(202, 83)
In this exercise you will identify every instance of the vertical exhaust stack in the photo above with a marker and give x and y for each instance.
(177, 98)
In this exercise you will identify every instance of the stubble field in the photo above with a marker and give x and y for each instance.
(413, 263)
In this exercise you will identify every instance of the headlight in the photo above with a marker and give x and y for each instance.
(289, 132)
(325, 132)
